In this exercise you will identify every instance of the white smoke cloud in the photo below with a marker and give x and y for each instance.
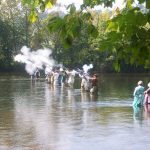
(87, 67)
(35, 59)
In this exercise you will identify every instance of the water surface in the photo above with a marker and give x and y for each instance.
(37, 116)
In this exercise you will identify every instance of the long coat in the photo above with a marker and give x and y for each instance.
(138, 96)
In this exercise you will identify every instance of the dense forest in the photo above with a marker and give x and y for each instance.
(112, 40)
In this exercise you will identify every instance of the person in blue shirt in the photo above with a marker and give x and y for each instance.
(138, 95)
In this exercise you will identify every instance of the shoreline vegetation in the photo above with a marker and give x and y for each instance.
(116, 41)
(24, 73)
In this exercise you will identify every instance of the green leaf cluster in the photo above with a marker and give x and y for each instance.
(128, 37)
(92, 3)
(36, 5)
(70, 27)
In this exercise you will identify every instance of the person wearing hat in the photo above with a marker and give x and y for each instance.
(147, 95)
(138, 95)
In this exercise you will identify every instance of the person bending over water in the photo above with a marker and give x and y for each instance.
(138, 95)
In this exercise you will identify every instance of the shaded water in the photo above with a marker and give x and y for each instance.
(36, 116)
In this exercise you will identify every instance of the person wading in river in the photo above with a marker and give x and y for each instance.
(94, 81)
(147, 95)
(138, 95)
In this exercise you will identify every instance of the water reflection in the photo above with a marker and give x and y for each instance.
(36, 115)
(147, 111)
(138, 114)
(86, 96)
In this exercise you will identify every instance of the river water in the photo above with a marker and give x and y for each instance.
(37, 116)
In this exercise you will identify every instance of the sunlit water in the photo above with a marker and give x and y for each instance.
(37, 116)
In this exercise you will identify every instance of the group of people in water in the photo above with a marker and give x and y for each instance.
(66, 78)
(141, 96)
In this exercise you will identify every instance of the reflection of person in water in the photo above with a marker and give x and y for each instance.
(138, 114)
(138, 95)
(147, 111)
(86, 96)
(147, 95)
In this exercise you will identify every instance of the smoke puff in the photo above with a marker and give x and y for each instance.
(35, 59)
(87, 67)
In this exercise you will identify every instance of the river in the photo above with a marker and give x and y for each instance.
(37, 116)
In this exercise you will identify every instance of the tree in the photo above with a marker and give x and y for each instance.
(12, 32)
(84, 49)
(128, 37)
(125, 32)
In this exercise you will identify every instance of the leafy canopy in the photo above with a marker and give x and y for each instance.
(127, 36)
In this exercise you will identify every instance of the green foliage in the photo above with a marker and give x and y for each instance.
(79, 37)
(92, 3)
(33, 17)
(83, 48)
(12, 32)
(71, 25)
(72, 8)
(36, 5)
(5, 46)
(128, 35)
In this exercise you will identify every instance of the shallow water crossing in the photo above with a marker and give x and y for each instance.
(37, 116)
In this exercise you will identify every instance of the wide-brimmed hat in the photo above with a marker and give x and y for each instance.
(148, 84)
(140, 82)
